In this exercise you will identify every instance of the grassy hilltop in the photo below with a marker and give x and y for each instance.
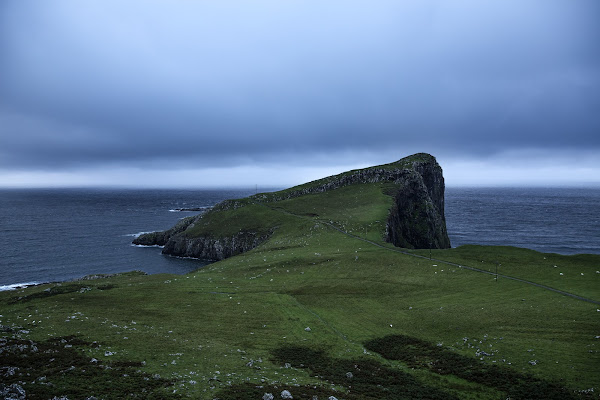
(324, 307)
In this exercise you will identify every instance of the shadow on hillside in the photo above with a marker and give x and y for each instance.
(365, 378)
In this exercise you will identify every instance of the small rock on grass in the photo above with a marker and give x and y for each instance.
(13, 392)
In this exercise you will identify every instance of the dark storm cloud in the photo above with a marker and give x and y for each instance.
(227, 83)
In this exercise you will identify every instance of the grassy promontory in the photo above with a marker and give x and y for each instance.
(324, 307)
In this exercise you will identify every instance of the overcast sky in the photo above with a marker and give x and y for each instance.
(275, 93)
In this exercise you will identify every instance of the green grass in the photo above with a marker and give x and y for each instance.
(238, 328)
(59, 365)
(417, 353)
(252, 218)
(577, 274)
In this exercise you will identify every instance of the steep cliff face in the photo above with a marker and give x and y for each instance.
(416, 218)
(209, 248)
(161, 238)
(177, 241)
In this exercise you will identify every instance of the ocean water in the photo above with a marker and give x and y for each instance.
(550, 220)
(56, 235)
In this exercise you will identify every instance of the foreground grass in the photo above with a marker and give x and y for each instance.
(316, 312)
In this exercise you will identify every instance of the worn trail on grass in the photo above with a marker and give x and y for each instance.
(514, 278)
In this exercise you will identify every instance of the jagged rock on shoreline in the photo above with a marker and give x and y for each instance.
(162, 237)
(212, 248)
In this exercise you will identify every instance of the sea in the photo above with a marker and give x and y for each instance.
(51, 235)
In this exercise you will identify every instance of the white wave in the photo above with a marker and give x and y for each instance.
(136, 234)
(144, 245)
(190, 209)
(16, 286)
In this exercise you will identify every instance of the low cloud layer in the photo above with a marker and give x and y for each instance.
(197, 85)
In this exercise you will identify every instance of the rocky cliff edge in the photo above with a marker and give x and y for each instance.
(416, 218)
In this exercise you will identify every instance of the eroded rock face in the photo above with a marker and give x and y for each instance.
(161, 238)
(209, 248)
(417, 219)
(176, 243)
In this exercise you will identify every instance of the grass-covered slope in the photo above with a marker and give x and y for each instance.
(324, 307)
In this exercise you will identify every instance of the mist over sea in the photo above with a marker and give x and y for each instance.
(51, 235)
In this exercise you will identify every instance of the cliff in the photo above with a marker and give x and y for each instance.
(415, 219)
(161, 238)
(210, 248)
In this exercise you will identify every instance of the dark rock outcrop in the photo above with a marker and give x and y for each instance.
(161, 238)
(209, 248)
(416, 218)
(175, 242)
